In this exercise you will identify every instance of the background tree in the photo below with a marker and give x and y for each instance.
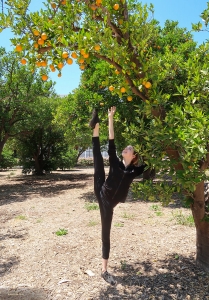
(165, 72)
(19, 90)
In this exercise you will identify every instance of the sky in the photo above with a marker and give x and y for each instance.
(185, 12)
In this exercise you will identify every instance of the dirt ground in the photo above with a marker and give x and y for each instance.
(152, 256)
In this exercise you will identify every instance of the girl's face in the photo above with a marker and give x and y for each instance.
(128, 153)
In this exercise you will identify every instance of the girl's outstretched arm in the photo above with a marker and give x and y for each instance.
(111, 113)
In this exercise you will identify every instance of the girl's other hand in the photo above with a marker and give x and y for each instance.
(111, 111)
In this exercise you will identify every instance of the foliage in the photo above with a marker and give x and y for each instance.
(8, 160)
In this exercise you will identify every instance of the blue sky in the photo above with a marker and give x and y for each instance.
(185, 12)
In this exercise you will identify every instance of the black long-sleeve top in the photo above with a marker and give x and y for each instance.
(117, 184)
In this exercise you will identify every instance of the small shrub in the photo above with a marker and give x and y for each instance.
(118, 224)
(61, 232)
(92, 223)
(91, 206)
(21, 217)
(182, 219)
(125, 215)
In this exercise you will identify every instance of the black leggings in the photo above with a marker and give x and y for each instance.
(106, 209)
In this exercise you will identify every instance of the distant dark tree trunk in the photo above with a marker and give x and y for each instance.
(38, 165)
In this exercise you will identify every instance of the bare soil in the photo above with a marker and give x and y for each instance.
(152, 256)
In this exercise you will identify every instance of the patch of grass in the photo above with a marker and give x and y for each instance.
(12, 173)
(20, 217)
(92, 223)
(39, 221)
(118, 224)
(155, 207)
(182, 219)
(125, 215)
(158, 213)
(61, 232)
(123, 264)
(157, 210)
(91, 206)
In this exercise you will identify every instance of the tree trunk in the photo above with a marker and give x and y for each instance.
(202, 228)
(38, 166)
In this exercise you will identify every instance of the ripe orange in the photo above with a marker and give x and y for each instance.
(38, 63)
(74, 55)
(23, 61)
(63, 2)
(111, 88)
(85, 55)
(93, 7)
(64, 54)
(116, 6)
(40, 41)
(97, 47)
(123, 90)
(53, 5)
(129, 98)
(36, 45)
(60, 65)
(44, 63)
(36, 32)
(44, 36)
(117, 72)
(53, 69)
(98, 2)
(82, 67)
(148, 85)
(59, 75)
(81, 60)
(51, 66)
(44, 77)
(69, 61)
(18, 48)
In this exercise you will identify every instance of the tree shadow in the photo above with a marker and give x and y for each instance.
(7, 264)
(22, 293)
(26, 186)
(13, 235)
(89, 197)
(176, 277)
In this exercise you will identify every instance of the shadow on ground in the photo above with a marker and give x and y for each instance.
(22, 293)
(176, 277)
(22, 187)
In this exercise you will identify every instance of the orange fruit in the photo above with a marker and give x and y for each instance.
(40, 41)
(23, 61)
(64, 54)
(82, 67)
(69, 61)
(123, 90)
(53, 69)
(116, 6)
(85, 55)
(148, 85)
(98, 2)
(36, 32)
(44, 36)
(18, 48)
(51, 66)
(74, 55)
(111, 88)
(82, 52)
(53, 5)
(38, 63)
(97, 47)
(60, 65)
(63, 2)
(44, 63)
(44, 77)
(81, 60)
(36, 45)
(117, 72)
(129, 98)
(59, 75)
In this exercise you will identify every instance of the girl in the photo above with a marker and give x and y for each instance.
(115, 188)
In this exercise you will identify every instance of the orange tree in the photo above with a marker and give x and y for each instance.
(164, 74)
(19, 92)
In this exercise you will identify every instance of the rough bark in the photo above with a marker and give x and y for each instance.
(202, 228)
